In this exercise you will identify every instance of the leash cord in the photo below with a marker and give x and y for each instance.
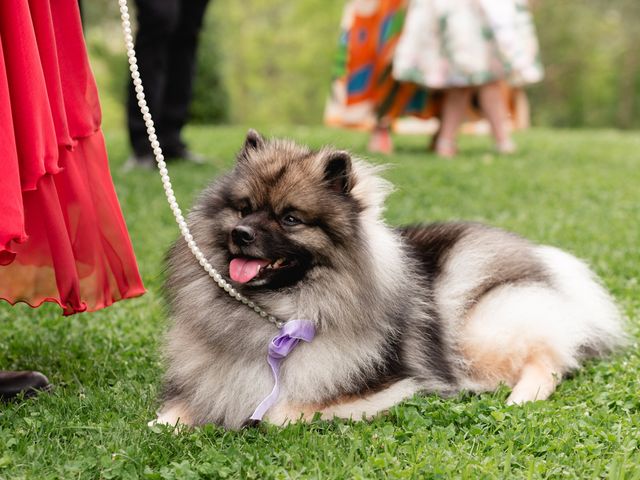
(166, 180)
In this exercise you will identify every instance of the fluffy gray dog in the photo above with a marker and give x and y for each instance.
(436, 308)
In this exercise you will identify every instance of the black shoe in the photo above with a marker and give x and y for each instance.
(12, 384)
(146, 162)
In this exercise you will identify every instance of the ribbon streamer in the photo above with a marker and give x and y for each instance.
(280, 346)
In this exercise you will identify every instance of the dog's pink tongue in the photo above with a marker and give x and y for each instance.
(243, 270)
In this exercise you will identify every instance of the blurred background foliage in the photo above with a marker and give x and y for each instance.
(270, 61)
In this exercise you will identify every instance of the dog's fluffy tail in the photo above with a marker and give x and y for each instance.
(526, 335)
(598, 321)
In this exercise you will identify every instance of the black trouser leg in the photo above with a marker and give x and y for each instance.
(181, 66)
(157, 22)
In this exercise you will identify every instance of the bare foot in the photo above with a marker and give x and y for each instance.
(445, 148)
(506, 147)
(380, 141)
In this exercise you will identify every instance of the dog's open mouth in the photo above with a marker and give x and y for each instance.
(246, 269)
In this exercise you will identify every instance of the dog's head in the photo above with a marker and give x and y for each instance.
(283, 211)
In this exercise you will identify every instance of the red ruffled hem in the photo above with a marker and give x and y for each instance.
(62, 235)
(78, 253)
(70, 309)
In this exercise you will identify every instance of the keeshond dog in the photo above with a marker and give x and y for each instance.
(435, 308)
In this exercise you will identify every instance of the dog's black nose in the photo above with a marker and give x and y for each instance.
(243, 235)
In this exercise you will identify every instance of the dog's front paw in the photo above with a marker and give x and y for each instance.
(173, 416)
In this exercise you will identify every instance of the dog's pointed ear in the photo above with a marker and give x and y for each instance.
(338, 172)
(253, 142)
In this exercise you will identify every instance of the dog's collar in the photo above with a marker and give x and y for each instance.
(279, 347)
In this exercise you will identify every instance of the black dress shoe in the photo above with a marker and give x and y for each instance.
(28, 383)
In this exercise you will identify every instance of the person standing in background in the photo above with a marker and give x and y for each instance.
(462, 46)
(366, 95)
(166, 45)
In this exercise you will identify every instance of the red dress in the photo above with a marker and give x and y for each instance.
(62, 235)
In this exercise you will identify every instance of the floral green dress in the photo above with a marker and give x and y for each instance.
(459, 43)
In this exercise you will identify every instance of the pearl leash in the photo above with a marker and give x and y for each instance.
(166, 181)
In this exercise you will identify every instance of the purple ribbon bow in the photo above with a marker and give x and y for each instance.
(280, 346)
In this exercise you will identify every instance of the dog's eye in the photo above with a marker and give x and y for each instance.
(244, 211)
(290, 221)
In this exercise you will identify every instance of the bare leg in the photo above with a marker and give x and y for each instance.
(380, 141)
(494, 108)
(455, 104)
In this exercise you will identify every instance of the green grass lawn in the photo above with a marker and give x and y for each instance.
(575, 189)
